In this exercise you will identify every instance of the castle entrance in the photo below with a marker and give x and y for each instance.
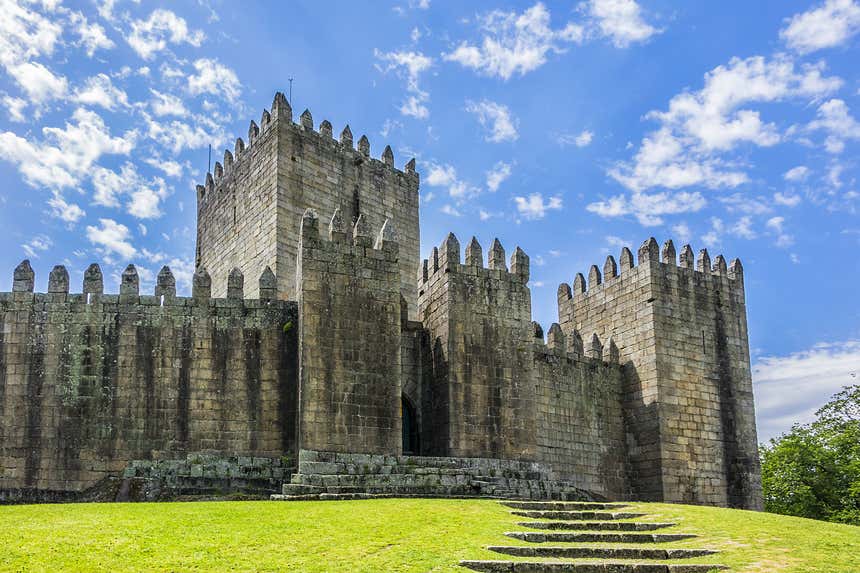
(409, 425)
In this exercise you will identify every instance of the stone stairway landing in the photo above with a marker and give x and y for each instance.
(577, 515)
(556, 537)
(562, 567)
(595, 525)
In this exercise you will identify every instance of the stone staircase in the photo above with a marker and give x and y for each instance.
(330, 475)
(576, 525)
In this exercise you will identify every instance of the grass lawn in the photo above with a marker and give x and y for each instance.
(378, 535)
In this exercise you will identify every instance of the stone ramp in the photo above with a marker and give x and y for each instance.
(330, 475)
(578, 539)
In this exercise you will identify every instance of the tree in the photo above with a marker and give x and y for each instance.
(814, 470)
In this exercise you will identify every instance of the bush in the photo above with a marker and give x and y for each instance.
(814, 470)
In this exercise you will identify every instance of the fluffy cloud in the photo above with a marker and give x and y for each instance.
(789, 389)
(111, 238)
(25, 34)
(214, 78)
(830, 24)
(446, 176)
(36, 245)
(178, 135)
(38, 82)
(66, 155)
(620, 21)
(65, 211)
(796, 174)
(99, 90)
(142, 197)
(834, 119)
(497, 175)
(649, 209)
(411, 65)
(535, 207)
(496, 118)
(699, 127)
(514, 43)
(166, 104)
(91, 35)
(152, 35)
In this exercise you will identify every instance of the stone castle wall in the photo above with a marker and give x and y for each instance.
(89, 382)
(249, 211)
(350, 338)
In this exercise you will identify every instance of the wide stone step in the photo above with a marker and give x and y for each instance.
(562, 505)
(577, 515)
(595, 525)
(600, 552)
(554, 537)
(566, 567)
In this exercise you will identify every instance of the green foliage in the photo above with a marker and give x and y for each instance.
(288, 326)
(814, 470)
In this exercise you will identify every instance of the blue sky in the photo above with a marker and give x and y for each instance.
(568, 128)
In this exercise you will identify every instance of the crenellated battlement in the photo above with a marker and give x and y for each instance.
(446, 259)
(649, 253)
(282, 115)
(164, 293)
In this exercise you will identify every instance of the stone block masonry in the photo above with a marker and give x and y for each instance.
(91, 381)
(350, 337)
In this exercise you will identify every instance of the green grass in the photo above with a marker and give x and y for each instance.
(380, 535)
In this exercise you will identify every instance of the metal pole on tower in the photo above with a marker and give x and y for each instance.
(291, 91)
(209, 169)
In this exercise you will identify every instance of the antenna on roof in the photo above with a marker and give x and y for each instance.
(291, 91)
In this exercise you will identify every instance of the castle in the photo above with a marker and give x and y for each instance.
(317, 354)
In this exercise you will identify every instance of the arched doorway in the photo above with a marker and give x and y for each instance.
(409, 425)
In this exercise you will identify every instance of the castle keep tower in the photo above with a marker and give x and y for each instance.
(250, 208)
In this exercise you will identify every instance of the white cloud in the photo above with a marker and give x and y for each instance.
(214, 78)
(111, 237)
(497, 175)
(534, 207)
(830, 24)
(776, 226)
(66, 155)
(682, 233)
(620, 21)
(745, 203)
(25, 34)
(68, 212)
(450, 210)
(411, 65)
(177, 135)
(496, 118)
(142, 197)
(152, 35)
(786, 199)
(789, 389)
(166, 104)
(91, 35)
(700, 127)
(99, 90)
(38, 82)
(441, 175)
(840, 126)
(36, 245)
(514, 43)
(649, 208)
(15, 106)
(581, 139)
(796, 174)
(167, 166)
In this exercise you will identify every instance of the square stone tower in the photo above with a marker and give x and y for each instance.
(249, 210)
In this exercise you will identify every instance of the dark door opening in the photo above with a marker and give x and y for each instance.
(409, 423)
